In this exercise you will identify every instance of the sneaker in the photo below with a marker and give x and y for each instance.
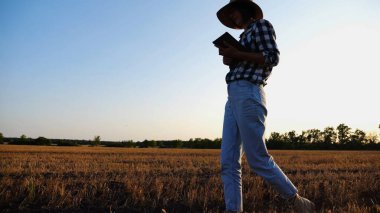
(303, 205)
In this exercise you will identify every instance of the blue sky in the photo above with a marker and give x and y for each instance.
(147, 69)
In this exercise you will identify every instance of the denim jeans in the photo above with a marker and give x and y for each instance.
(243, 133)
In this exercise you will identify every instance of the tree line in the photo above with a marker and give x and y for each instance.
(341, 137)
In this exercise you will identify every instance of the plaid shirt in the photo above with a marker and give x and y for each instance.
(258, 37)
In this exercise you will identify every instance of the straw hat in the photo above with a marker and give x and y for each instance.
(223, 13)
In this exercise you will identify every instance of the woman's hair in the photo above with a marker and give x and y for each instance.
(245, 12)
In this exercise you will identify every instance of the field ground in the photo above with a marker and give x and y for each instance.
(99, 179)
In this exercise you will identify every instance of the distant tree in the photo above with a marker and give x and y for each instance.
(218, 140)
(357, 138)
(42, 141)
(329, 135)
(217, 143)
(1, 138)
(197, 143)
(276, 141)
(129, 143)
(23, 139)
(197, 139)
(146, 143)
(96, 141)
(275, 137)
(308, 136)
(290, 137)
(177, 143)
(315, 135)
(293, 137)
(344, 133)
(371, 138)
(302, 138)
(66, 142)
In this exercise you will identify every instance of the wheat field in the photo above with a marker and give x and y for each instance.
(100, 179)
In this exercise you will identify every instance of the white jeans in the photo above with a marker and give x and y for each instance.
(243, 133)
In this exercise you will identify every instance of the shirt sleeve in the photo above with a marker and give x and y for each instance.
(265, 38)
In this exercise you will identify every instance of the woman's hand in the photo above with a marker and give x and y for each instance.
(227, 61)
(230, 51)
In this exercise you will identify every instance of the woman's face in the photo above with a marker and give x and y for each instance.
(237, 18)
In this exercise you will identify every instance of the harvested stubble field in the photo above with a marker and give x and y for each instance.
(99, 179)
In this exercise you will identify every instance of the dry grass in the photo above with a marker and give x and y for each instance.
(98, 179)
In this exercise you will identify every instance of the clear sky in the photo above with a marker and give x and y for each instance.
(130, 69)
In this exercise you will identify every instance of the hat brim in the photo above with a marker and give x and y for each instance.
(223, 13)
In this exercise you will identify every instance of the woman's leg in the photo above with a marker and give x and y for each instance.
(231, 152)
(250, 112)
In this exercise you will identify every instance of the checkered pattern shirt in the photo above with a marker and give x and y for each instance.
(258, 37)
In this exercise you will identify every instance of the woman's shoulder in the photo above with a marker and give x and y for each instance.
(263, 22)
(262, 26)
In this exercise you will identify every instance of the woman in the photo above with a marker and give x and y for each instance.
(245, 110)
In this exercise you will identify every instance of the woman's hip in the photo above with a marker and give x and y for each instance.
(244, 89)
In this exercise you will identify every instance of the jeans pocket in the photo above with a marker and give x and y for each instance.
(258, 94)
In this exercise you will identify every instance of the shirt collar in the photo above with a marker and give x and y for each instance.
(249, 28)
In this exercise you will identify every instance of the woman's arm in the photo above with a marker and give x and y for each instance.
(265, 38)
(232, 52)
